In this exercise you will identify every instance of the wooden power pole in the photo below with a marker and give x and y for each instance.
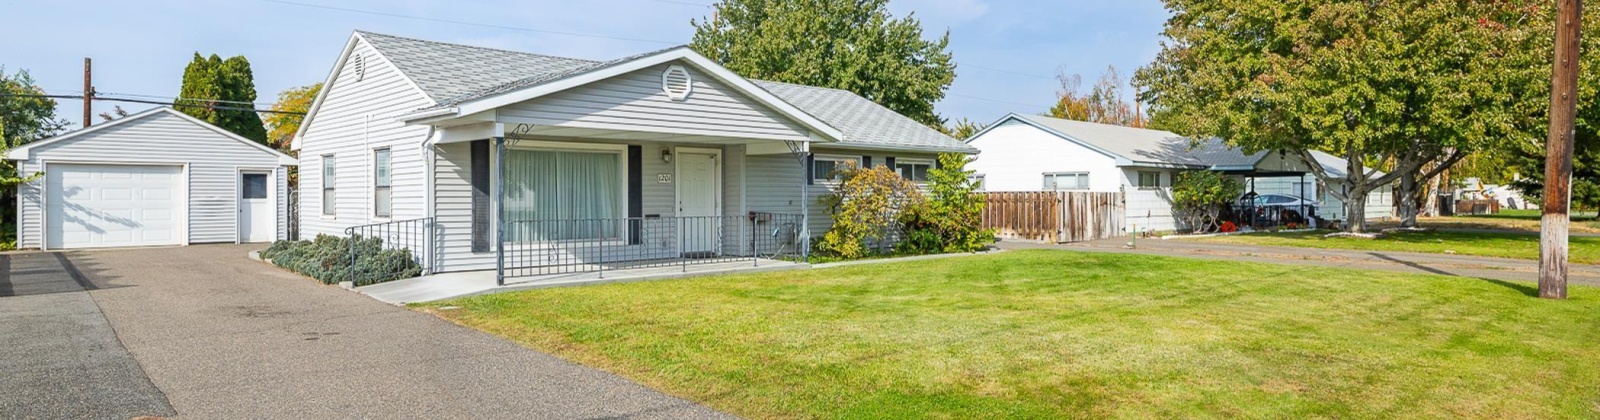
(88, 94)
(1558, 162)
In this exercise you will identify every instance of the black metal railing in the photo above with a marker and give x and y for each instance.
(546, 247)
(390, 250)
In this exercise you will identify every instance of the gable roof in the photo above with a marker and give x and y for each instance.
(446, 72)
(1145, 147)
(460, 78)
(24, 152)
(863, 121)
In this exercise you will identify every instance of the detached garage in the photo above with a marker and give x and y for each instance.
(158, 177)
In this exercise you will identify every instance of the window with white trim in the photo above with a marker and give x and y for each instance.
(826, 168)
(1066, 181)
(913, 170)
(977, 182)
(1149, 180)
(555, 195)
(328, 202)
(382, 183)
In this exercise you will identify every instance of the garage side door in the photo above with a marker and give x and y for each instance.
(92, 206)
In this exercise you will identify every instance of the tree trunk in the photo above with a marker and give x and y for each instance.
(1355, 211)
(1408, 200)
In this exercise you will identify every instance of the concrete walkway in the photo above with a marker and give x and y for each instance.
(224, 336)
(1409, 262)
(469, 283)
(60, 357)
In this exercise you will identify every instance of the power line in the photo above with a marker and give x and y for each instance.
(143, 101)
(175, 98)
(1003, 71)
(682, 3)
(459, 22)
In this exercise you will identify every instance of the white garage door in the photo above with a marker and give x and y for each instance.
(90, 206)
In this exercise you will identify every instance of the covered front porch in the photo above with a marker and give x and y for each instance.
(562, 205)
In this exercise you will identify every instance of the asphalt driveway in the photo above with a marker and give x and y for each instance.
(223, 336)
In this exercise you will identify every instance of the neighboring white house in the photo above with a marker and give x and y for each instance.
(1036, 153)
(409, 131)
(158, 177)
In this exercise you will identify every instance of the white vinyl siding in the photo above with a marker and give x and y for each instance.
(636, 102)
(355, 118)
(1015, 154)
(1148, 209)
(212, 159)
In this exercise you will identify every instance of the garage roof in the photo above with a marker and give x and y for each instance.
(25, 152)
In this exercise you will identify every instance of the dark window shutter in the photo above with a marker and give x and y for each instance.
(866, 162)
(889, 161)
(810, 164)
(481, 206)
(635, 194)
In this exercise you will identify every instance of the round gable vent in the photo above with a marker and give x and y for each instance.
(675, 81)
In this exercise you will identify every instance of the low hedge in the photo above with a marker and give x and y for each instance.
(328, 259)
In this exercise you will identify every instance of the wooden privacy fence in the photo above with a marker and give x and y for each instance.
(1054, 216)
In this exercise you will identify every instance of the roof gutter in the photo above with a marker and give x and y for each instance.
(891, 148)
(418, 116)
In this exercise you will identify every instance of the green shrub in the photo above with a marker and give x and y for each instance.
(328, 259)
(951, 219)
(1198, 198)
(865, 207)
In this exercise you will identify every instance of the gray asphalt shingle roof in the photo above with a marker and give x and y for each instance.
(862, 120)
(452, 74)
(446, 71)
(1139, 145)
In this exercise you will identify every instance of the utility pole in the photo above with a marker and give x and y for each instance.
(1558, 162)
(88, 94)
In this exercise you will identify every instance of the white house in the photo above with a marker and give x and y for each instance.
(1036, 153)
(523, 162)
(158, 177)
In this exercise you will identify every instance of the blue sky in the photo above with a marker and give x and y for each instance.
(1009, 49)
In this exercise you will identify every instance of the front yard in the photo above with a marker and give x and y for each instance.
(1051, 334)
(1520, 220)
(1582, 250)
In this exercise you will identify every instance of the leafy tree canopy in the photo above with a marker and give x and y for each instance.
(26, 118)
(963, 129)
(282, 126)
(855, 45)
(1397, 81)
(212, 85)
(1105, 102)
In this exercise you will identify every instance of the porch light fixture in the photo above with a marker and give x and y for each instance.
(666, 155)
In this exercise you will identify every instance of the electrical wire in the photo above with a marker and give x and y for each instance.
(143, 101)
(175, 98)
(460, 22)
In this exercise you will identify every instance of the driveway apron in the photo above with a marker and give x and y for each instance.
(59, 355)
(225, 336)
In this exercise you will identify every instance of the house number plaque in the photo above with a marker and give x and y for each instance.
(664, 178)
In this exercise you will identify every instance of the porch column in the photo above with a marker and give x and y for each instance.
(499, 210)
(805, 208)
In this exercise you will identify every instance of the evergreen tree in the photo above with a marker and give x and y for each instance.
(212, 90)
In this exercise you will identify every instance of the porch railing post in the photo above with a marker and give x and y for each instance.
(499, 211)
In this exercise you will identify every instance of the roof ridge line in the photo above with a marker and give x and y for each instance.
(457, 44)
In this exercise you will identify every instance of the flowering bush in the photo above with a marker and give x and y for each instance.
(1228, 227)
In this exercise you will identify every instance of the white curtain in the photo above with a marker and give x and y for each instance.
(572, 195)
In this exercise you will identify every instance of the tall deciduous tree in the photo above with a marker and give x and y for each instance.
(1408, 82)
(292, 105)
(963, 129)
(855, 45)
(214, 90)
(1105, 102)
(26, 115)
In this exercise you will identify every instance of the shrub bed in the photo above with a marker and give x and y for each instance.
(328, 259)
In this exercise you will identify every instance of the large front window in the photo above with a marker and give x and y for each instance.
(562, 195)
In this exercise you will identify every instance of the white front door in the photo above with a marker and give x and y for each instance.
(257, 215)
(699, 199)
(92, 206)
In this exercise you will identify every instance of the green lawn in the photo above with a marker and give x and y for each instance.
(1583, 250)
(1053, 334)
(1519, 220)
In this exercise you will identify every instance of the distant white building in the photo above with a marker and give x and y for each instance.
(1035, 153)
